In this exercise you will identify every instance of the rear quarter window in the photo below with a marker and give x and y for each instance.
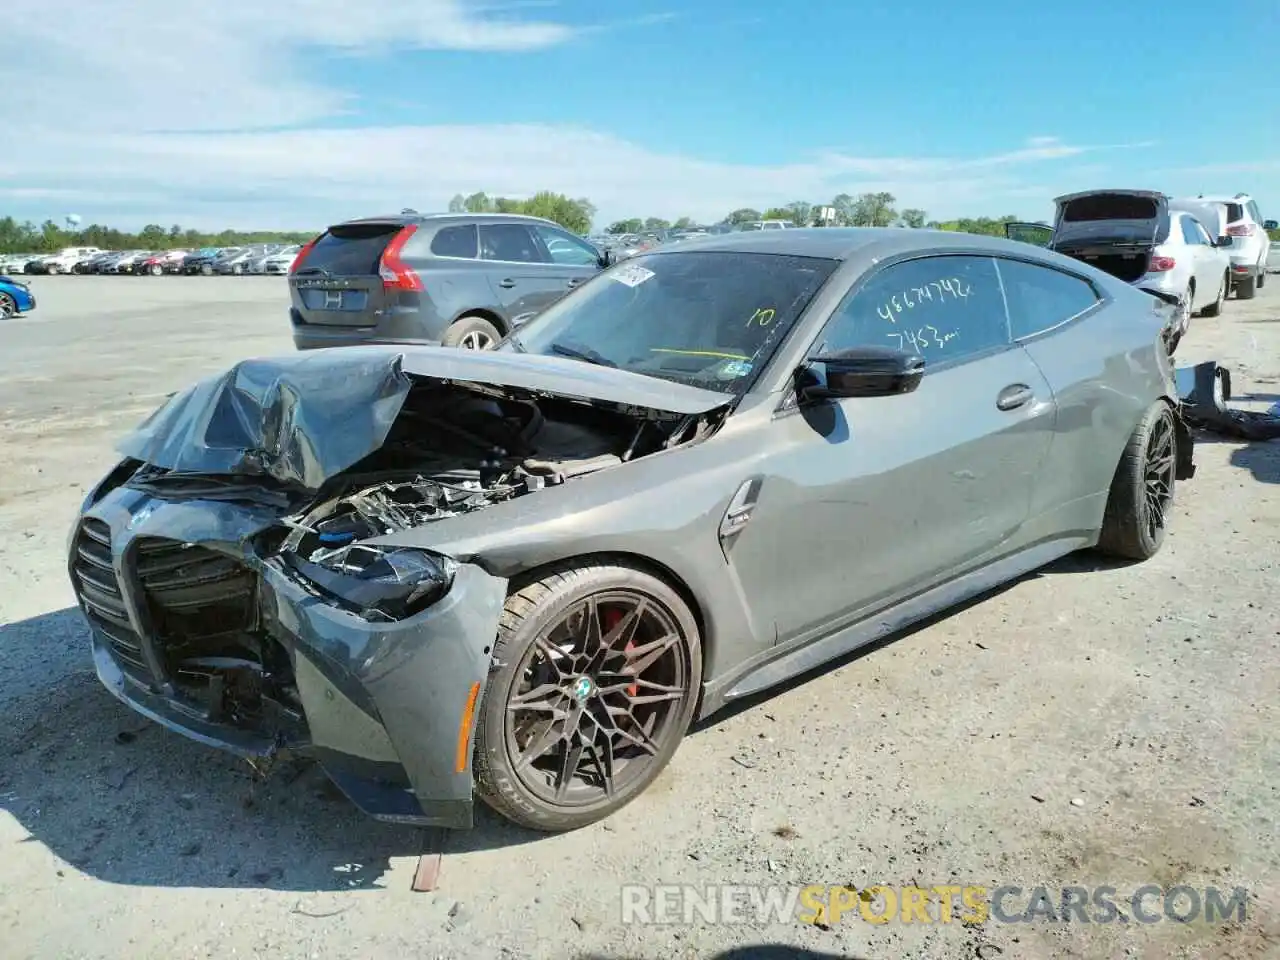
(1040, 298)
(1235, 211)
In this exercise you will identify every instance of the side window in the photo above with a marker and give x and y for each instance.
(1189, 233)
(459, 241)
(567, 249)
(512, 242)
(1040, 298)
(943, 308)
(1203, 234)
(1254, 215)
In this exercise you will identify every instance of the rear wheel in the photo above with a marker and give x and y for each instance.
(1215, 308)
(471, 333)
(593, 682)
(207, 269)
(7, 307)
(1262, 275)
(1185, 309)
(155, 270)
(1246, 287)
(1136, 517)
(53, 269)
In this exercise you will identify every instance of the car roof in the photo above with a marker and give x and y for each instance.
(406, 219)
(841, 243)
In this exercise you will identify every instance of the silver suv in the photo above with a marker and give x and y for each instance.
(1239, 219)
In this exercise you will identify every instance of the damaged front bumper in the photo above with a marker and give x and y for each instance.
(387, 709)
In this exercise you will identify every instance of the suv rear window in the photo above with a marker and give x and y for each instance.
(351, 249)
(459, 241)
(1235, 211)
(1110, 207)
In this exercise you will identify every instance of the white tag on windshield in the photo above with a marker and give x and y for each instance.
(632, 274)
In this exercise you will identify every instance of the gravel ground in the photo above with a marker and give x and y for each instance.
(1088, 725)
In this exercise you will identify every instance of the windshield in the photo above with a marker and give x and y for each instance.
(709, 319)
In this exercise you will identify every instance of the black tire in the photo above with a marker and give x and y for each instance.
(8, 308)
(471, 333)
(1262, 276)
(1246, 288)
(577, 686)
(155, 270)
(1215, 308)
(1137, 513)
(206, 269)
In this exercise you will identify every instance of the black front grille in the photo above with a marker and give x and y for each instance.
(99, 591)
(194, 591)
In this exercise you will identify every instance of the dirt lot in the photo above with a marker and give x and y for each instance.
(1089, 725)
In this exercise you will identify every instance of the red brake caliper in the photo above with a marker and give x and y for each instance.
(611, 619)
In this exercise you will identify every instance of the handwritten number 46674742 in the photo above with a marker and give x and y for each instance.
(947, 291)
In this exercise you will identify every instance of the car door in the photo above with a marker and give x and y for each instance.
(523, 279)
(874, 499)
(1198, 251)
(1090, 369)
(575, 260)
(1034, 233)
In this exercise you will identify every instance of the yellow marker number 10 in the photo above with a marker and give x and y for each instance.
(762, 318)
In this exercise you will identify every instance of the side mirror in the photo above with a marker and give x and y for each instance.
(1223, 241)
(1270, 225)
(860, 372)
(608, 258)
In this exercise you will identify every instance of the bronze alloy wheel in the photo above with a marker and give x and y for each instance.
(599, 695)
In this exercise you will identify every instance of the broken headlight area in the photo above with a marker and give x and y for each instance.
(379, 583)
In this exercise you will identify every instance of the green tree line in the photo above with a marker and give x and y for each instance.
(575, 215)
(48, 237)
(864, 210)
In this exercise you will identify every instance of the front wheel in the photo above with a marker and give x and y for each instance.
(53, 269)
(1137, 513)
(593, 682)
(8, 308)
(1246, 288)
(155, 270)
(207, 270)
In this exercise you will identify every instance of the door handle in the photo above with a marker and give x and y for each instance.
(1014, 396)
(506, 284)
(574, 282)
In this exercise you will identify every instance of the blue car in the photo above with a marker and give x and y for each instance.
(15, 298)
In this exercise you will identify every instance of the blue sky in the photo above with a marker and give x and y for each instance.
(299, 112)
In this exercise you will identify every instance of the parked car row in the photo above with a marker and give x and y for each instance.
(1190, 252)
(268, 258)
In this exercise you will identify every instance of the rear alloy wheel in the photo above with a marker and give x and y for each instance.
(471, 333)
(593, 682)
(1137, 513)
(1215, 308)
(1246, 287)
(7, 307)
(1185, 310)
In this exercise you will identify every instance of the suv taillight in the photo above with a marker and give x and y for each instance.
(1240, 230)
(302, 255)
(1161, 264)
(395, 273)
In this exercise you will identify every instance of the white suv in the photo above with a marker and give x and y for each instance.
(68, 257)
(1238, 218)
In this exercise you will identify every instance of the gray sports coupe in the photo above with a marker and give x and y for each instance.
(522, 573)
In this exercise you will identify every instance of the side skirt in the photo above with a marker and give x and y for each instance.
(798, 658)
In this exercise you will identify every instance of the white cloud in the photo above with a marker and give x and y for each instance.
(173, 111)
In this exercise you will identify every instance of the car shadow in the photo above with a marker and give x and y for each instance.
(1261, 459)
(121, 798)
(764, 951)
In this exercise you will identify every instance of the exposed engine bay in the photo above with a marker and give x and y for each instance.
(453, 451)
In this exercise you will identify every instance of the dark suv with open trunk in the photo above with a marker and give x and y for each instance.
(461, 280)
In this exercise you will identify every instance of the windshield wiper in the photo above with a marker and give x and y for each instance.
(579, 353)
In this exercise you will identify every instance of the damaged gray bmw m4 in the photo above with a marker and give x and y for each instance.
(523, 573)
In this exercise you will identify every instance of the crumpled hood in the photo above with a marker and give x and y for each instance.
(303, 418)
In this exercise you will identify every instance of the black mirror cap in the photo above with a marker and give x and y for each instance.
(608, 258)
(859, 372)
(1271, 225)
(1223, 241)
